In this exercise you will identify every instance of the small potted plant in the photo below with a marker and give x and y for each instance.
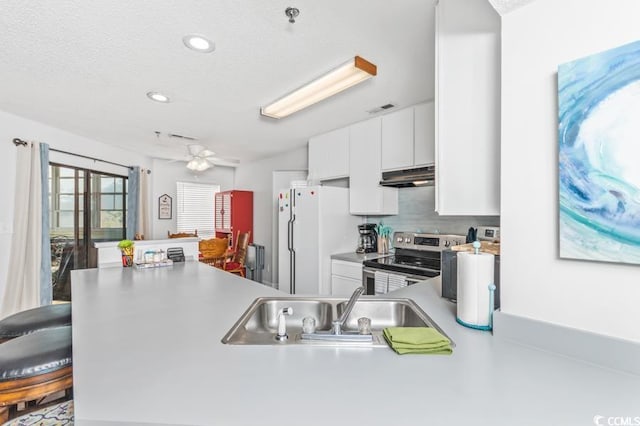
(126, 247)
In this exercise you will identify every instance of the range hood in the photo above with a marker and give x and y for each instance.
(423, 176)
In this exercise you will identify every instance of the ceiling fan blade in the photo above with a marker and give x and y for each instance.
(195, 149)
(223, 162)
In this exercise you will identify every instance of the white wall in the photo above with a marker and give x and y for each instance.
(12, 126)
(598, 297)
(165, 174)
(258, 177)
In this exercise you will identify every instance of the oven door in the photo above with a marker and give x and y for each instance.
(369, 278)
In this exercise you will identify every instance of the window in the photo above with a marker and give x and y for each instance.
(195, 208)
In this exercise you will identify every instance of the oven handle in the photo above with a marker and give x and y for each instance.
(368, 272)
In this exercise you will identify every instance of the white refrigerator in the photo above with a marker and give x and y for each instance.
(313, 223)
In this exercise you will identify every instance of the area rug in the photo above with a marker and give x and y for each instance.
(55, 415)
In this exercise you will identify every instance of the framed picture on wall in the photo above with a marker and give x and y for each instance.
(165, 206)
(599, 178)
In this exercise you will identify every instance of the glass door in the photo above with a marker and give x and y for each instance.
(85, 207)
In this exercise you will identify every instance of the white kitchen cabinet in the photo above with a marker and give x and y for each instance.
(408, 138)
(424, 134)
(467, 136)
(345, 277)
(366, 196)
(397, 139)
(329, 155)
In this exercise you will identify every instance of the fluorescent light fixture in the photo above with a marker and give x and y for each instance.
(352, 72)
(158, 97)
(198, 43)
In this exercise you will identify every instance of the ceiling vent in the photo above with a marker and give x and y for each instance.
(187, 138)
(174, 136)
(384, 107)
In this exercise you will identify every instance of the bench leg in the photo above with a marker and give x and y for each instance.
(4, 414)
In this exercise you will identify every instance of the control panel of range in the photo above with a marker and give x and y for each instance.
(431, 242)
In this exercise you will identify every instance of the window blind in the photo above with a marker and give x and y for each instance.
(195, 208)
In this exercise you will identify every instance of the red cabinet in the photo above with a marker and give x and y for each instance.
(234, 212)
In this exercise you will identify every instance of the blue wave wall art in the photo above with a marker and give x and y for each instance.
(599, 156)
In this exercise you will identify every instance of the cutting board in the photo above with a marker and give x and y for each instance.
(485, 247)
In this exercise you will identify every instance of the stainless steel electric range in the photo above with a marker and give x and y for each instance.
(417, 257)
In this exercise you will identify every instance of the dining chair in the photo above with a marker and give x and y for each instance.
(183, 234)
(236, 265)
(214, 252)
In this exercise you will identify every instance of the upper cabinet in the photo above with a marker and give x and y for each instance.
(467, 101)
(397, 139)
(329, 155)
(407, 138)
(366, 196)
(424, 134)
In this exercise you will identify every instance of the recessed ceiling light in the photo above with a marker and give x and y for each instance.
(158, 97)
(198, 43)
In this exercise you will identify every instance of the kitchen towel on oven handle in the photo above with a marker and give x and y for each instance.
(396, 282)
(381, 282)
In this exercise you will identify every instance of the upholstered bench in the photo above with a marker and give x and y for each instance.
(35, 319)
(34, 366)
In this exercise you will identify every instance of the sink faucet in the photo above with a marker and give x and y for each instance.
(337, 324)
(282, 324)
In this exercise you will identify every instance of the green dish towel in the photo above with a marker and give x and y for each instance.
(417, 340)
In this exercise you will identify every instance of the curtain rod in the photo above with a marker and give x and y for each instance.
(18, 141)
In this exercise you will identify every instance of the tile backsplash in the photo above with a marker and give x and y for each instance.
(416, 208)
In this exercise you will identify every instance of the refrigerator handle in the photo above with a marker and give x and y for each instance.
(292, 278)
(292, 256)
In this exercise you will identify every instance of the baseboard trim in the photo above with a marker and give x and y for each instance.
(605, 351)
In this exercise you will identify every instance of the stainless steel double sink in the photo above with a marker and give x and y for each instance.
(259, 323)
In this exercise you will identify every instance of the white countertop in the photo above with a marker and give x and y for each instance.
(357, 257)
(146, 349)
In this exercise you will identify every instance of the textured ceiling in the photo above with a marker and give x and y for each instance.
(85, 66)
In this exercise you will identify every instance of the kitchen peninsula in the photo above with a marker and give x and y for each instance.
(147, 349)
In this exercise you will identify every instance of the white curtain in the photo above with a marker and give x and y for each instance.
(22, 289)
(144, 217)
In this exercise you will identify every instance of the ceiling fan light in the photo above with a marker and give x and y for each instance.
(200, 164)
(192, 165)
(352, 72)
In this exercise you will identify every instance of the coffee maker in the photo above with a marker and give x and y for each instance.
(368, 239)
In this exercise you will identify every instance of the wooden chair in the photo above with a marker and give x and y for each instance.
(214, 252)
(236, 265)
(183, 234)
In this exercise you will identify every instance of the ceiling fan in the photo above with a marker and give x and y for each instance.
(199, 157)
(202, 158)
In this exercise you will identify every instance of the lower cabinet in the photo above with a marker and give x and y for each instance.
(345, 277)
